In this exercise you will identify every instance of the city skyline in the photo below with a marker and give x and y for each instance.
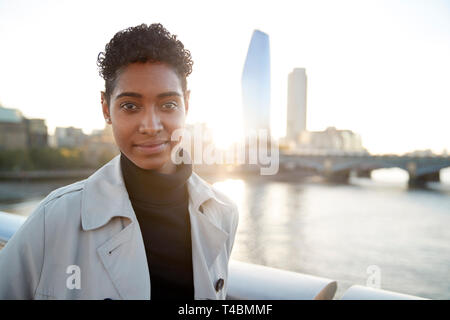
(378, 68)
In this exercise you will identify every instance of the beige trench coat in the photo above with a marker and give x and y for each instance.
(83, 242)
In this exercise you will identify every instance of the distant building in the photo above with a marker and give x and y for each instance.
(97, 147)
(422, 153)
(37, 133)
(296, 104)
(100, 146)
(331, 140)
(18, 132)
(103, 135)
(256, 84)
(69, 137)
(13, 130)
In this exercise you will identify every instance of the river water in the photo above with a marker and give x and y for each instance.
(335, 231)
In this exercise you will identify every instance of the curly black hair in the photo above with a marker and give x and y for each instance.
(143, 43)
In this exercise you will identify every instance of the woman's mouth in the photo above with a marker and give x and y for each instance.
(152, 147)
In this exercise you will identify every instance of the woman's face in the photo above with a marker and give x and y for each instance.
(146, 106)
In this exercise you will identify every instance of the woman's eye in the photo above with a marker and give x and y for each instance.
(128, 106)
(169, 106)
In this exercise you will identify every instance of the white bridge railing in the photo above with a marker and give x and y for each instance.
(255, 282)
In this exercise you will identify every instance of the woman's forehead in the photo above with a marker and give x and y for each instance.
(147, 79)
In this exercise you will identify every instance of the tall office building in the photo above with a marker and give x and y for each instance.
(256, 84)
(296, 104)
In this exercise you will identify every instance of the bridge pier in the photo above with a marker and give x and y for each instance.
(364, 173)
(433, 177)
(420, 181)
(338, 177)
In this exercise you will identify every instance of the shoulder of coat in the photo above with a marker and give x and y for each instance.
(221, 198)
(61, 192)
(224, 199)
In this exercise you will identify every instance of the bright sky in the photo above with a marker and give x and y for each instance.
(379, 68)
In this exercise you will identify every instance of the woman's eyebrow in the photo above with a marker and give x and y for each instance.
(159, 96)
(169, 94)
(129, 94)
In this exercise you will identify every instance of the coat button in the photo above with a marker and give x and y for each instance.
(219, 284)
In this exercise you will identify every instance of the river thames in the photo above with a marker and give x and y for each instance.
(329, 230)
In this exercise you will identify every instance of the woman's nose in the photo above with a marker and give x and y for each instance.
(150, 122)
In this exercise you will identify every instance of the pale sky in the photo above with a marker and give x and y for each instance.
(379, 68)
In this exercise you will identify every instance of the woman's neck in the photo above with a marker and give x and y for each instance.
(153, 186)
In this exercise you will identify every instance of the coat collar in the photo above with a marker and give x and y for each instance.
(105, 196)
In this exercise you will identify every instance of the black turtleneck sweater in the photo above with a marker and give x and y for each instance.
(160, 202)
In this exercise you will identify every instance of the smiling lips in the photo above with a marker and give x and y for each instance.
(152, 147)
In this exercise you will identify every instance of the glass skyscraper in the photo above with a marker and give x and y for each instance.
(256, 84)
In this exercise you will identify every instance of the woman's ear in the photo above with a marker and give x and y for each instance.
(105, 107)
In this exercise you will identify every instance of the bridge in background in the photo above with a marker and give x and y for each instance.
(338, 167)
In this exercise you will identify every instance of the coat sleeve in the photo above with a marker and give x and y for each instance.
(22, 258)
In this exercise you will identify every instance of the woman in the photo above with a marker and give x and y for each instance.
(141, 227)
